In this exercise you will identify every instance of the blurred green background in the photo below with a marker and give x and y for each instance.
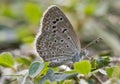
(20, 20)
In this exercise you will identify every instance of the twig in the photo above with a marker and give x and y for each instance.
(97, 79)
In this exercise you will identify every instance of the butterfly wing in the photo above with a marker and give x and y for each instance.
(56, 40)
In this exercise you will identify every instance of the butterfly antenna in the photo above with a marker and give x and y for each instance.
(93, 42)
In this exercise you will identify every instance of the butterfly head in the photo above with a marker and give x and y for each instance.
(79, 56)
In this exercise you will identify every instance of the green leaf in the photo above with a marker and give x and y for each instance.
(24, 80)
(60, 77)
(28, 39)
(116, 72)
(103, 61)
(45, 70)
(23, 32)
(23, 60)
(68, 82)
(35, 68)
(7, 11)
(93, 64)
(82, 67)
(109, 71)
(90, 8)
(6, 60)
(49, 82)
(32, 12)
(51, 76)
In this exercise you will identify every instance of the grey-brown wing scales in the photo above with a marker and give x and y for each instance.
(56, 40)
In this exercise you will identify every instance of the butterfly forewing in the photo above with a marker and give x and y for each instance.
(56, 40)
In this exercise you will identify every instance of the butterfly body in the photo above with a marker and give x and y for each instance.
(56, 41)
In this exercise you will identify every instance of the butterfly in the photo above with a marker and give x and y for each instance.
(56, 41)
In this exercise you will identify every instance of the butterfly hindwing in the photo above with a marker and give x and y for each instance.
(56, 40)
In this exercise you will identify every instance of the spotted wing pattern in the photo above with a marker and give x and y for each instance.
(56, 40)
